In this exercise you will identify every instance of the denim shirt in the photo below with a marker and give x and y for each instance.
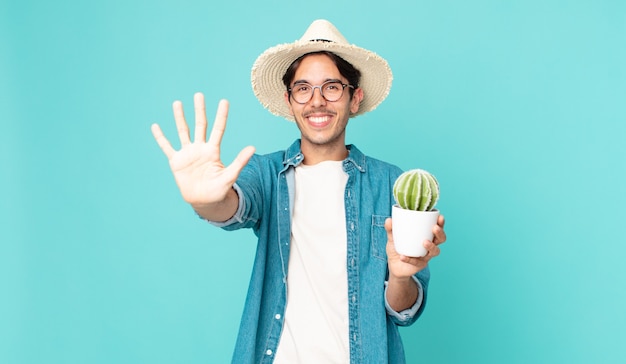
(266, 190)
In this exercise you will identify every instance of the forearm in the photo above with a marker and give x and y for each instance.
(219, 211)
(402, 293)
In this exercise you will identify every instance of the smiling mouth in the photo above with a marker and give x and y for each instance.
(319, 119)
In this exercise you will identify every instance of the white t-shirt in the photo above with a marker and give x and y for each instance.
(316, 326)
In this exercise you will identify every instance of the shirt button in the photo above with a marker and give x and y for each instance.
(354, 298)
(351, 226)
(277, 317)
(268, 352)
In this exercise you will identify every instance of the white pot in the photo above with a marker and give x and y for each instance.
(410, 229)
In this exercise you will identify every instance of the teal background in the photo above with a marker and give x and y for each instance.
(518, 107)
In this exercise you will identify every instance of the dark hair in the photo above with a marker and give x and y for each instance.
(346, 69)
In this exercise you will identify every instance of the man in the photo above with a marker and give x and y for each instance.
(327, 284)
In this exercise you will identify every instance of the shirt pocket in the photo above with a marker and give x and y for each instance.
(379, 237)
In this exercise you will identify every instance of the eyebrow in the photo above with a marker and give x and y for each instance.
(298, 82)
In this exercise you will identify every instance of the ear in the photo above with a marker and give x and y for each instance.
(288, 102)
(357, 97)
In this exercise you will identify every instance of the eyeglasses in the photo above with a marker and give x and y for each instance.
(330, 90)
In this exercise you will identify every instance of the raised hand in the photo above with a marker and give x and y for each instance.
(202, 178)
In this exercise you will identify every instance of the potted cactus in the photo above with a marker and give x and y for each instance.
(414, 216)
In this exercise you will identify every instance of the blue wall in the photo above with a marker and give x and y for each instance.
(518, 107)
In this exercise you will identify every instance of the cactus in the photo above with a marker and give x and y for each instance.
(416, 190)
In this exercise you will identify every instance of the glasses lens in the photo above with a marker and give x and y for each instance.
(332, 91)
(302, 92)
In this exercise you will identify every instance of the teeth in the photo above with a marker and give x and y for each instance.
(318, 119)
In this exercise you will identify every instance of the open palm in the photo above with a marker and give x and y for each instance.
(197, 167)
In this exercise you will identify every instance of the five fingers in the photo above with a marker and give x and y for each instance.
(201, 127)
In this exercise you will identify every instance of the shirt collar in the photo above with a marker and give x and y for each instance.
(355, 157)
(293, 156)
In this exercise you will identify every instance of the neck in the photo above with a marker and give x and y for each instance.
(314, 154)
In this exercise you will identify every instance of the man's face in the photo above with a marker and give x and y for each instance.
(322, 123)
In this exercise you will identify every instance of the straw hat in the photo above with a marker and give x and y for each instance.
(269, 68)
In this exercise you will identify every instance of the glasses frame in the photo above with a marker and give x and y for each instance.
(343, 87)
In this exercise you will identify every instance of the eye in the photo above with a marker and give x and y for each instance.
(334, 86)
(301, 88)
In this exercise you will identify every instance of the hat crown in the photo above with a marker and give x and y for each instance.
(323, 30)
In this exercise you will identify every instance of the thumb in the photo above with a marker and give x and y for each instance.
(389, 228)
(240, 161)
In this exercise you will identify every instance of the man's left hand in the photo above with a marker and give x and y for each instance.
(402, 266)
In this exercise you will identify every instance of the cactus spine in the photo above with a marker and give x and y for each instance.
(416, 190)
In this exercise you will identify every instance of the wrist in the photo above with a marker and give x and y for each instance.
(218, 211)
(399, 279)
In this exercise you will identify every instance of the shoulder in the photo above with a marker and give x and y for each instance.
(273, 162)
(377, 165)
(359, 158)
(279, 157)
(382, 165)
(382, 170)
(374, 167)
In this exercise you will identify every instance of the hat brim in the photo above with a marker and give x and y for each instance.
(269, 68)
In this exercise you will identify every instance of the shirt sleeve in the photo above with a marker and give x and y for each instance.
(408, 316)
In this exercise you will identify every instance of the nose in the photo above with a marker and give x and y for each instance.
(317, 99)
